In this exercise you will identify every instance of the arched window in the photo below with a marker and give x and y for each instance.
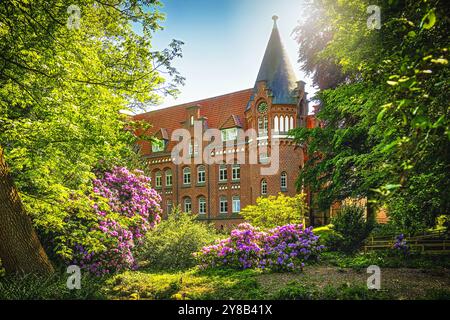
(187, 204)
(223, 172)
(202, 205)
(276, 124)
(236, 204)
(201, 174)
(263, 187)
(158, 179)
(187, 175)
(291, 120)
(283, 181)
(286, 123)
(169, 179)
(169, 206)
(281, 124)
(223, 205)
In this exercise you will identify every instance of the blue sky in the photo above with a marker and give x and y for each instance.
(225, 42)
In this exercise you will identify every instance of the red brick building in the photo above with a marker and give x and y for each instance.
(217, 192)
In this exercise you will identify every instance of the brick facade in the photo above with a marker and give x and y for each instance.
(274, 105)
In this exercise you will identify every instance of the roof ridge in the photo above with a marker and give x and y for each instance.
(192, 102)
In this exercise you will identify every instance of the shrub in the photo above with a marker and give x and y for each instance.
(98, 229)
(172, 244)
(401, 246)
(354, 228)
(273, 211)
(281, 248)
(2, 271)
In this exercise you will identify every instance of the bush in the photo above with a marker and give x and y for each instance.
(98, 229)
(2, 271)
(352, 228)
(272, 211)
(283, 248)
(172, 244)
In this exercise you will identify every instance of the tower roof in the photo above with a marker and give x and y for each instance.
(277, 71)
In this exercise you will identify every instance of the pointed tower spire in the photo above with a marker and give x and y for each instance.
(277, 71)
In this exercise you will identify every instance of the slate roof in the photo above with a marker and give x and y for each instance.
(277, 71)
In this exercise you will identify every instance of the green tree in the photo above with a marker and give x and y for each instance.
(63, 89)
(273, 211)
(385, 126)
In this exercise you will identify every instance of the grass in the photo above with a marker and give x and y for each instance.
(336, 277)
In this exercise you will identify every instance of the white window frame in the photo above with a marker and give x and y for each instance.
(264, 187)
(223, 173)
(229, 134)
(187, 202)
(236, 172)
(236, 204)
(158, 179)
(283, 180)
(169, 178)
(158, 146)
(201, 172)
(223, 204)
(187, 176)
(202, 205)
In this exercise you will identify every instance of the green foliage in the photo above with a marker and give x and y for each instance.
(385, 258)
(352, 227)
(299, 291)
(62, 96)
(172, 244)
(33, 287)
(272, 211)
(2, 270)
(385, 133)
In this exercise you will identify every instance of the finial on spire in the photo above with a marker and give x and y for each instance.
(275, 18)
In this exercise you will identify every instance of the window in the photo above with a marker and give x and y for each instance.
(158, 146)
(187, 205)
(229, 134)
(223, 172)
(169, 206)
(262, 125)
(283, 180)
(263, 187)
(281, 124)
(286, 123)
(223, 205)
(201, 174)
(236, 172)
(192, 120)
(193, 148)
(236, 204)
(202, 205)
(186, 176)
(291, 120)
(276, 123)
(169, 178)
(158, 179)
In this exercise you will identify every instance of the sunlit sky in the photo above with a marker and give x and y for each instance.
(225, 42)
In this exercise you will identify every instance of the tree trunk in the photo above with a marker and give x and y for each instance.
(20, 248)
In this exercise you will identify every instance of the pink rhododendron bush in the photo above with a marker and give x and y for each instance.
(100, 228)
(284, 248)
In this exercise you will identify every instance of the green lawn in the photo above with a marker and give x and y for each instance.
(335, 277)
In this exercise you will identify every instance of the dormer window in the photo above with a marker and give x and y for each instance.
(158, 146)
(229, 134)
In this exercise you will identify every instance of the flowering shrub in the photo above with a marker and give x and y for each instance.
(133, 209)
(281, 248)
(400, 245)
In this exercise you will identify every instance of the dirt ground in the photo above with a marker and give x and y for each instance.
(403, 283)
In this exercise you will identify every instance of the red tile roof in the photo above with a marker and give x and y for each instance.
(217, 110)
